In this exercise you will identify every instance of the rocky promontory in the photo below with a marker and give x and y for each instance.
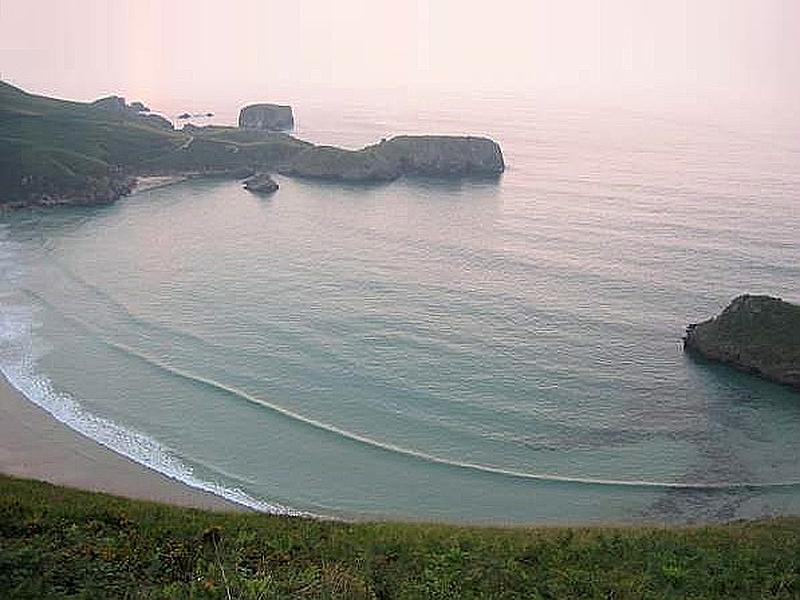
(443, 155)
(266, 117)
(407, 155)
(339, 164)
(755, 334)
(62, 152)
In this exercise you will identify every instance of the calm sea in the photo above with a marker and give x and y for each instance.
(499, 352)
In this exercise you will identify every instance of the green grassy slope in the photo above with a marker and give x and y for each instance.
(213, 148)
(70, 150)
(54, 151)
(58, 543)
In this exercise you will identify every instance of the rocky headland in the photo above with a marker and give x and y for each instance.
(755, 334)
(337, 164)
(407, 155)
(55, 152)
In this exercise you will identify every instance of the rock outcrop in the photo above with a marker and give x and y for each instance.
(89, 191)
(443, 156)
(755, 334)
(338, 164)
(261, 183)
(266, 117)
(117, 105)
(415, 156)
(155, 120)
(111, 104)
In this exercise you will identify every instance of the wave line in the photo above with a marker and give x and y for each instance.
(333, 429)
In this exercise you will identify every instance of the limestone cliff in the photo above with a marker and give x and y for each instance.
(756, 334)
(415, 156)
(443, 156)
(328, 162)
(266, 117)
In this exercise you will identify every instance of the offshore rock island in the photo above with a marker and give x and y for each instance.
(58, 152)
(267, 117)
(754, 334)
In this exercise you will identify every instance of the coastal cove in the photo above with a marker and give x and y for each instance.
(483, 351)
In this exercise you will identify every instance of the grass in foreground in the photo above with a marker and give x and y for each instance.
(57, 542)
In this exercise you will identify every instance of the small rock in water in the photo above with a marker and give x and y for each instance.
(261, 183)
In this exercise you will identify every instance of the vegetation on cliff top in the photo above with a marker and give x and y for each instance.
(417, 155)
(59, 543)
(60, 152)
(57, 151)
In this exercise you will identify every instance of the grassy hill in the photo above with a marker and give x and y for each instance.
(59, 151)
(56, 151)
(62, 543)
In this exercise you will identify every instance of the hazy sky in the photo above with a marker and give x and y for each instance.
(155, 50)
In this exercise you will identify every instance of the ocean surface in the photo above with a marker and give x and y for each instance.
(502, 351)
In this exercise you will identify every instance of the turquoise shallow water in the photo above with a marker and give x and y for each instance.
(503, 351)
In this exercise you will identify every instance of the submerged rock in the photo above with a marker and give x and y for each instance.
(266, 117)
(261, 183)
(755, 334)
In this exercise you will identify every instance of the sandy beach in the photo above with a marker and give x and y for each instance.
(35, 445)
(152, 182)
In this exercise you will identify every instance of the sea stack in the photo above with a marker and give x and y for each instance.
(261, 183)
(266, 117)
(755, 334)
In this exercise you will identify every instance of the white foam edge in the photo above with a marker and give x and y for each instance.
(133, 445)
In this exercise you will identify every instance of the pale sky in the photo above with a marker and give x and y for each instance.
(185, 48)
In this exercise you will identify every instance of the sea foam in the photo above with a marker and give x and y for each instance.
(18, 365)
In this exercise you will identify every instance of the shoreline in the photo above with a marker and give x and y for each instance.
(35, 445)
(145, 183)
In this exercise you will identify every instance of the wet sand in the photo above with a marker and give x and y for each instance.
(35, 445)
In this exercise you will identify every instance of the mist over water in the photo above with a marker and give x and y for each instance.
(490, 351)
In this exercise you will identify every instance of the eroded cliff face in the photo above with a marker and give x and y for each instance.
(756, 334)
(443, 156)
(88, 191)
(338, 164)
(415, 156)
(266, 117)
